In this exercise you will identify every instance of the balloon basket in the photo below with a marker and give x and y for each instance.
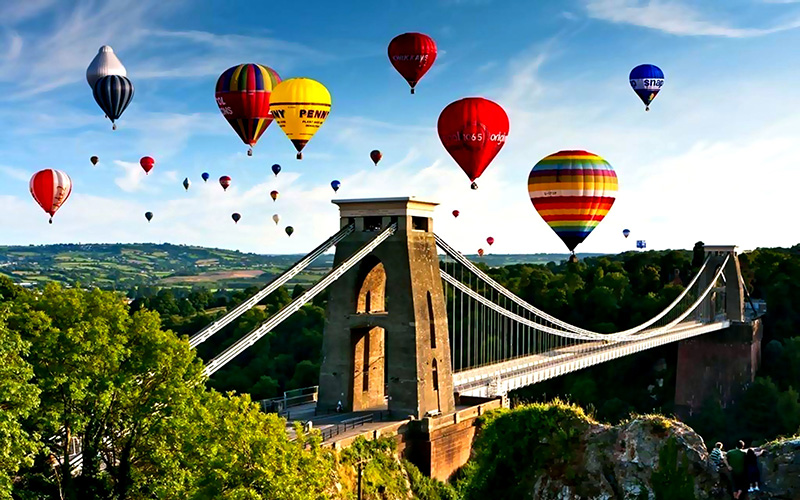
(647, 108)
(113, 126)
(50, 221)
(250, 152)
(412, 90)
(473, 186)
(299, 156)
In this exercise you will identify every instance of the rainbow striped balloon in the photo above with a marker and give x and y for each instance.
(572, 191)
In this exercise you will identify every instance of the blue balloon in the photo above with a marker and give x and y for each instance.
(335, 185)
(626, 232)
(205, 176)
(647, 80)
(276, 169)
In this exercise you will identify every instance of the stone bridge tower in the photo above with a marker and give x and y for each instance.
(386, 339)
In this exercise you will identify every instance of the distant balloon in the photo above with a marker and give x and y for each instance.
(243, 95)
(456, 213)
(147, 163)
(490, 241)
(300, 106)
(289, 230)
(148, 216)
(375, 156)
(94, 160)
(646, 80)
(276, 169)
(480, 252)
(105, 63)
(235, 216)
(572, 191)
(473, 130)
(224, 181)
(626, 232)
(274, 195)
(335, 185)
(412, 55)
(276, 218)
(641, 244)
(50, 188)
(113, 93)
(186, 183)
(205, 176)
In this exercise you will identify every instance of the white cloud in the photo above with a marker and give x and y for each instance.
(15, 173)
(674, 17)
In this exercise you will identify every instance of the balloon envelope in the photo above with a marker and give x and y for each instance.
(276, 218)
(456, 213)
(289, 230)
(148, 216)
(375, 156)
(274, 195)
(335, 185)
(224, 181)
(572, 191)
(235, 216)
(490, 241)
(480, 252)
(94, 160)
(300, 106)
(105, 63)
(646, 80)
(50, 188)
(186, 183)
(147, 163)
(473, 130)
(626, 232)
(243, 94)
(276, 169)
(205, 176)
(412, 55)
(113, 93)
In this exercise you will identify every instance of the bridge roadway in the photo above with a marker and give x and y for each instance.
(499, 378)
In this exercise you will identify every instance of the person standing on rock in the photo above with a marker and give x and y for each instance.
(751, 469)
(736, 461)
(721, 466)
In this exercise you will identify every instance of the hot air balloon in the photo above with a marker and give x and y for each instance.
(224, 181)
(276, 169)
(94, 160)
(490, 241)
(412, 55)
(480, 252)
(147, 163)
(205, 176)
(148, 216)
(113, 93)
(456, 213)
(647, 80)
(375, 156)
(335, 185)
(50, 188)
(572, 191)
(300, 106)
(235, 216)
(274, 195)
(473, 130)
(642, 244)
(626, 232)
(243, 94)
(276, 218)
(289, 230)
(186, 183)
(105, 63)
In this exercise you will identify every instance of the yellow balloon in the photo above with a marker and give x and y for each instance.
(300, 106)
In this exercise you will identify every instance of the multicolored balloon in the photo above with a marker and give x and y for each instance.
(289, 230)
(375, 156)
(335, 185)
(456, 213)
(276, 169)
(205, 176)
(113, 93)
(147, 163)
(235, 216)
(243, 94)
(641, 244)
(94, 160)
(186, 184)
(480, 252)
(274, 195)
(572, 191)
(300, 106)
(105, 63)
(50, 188)
(276, 218)
(490, 241)
(224, 181)
(148, 216)
(626, 232)
(473, 130)
(412, 55)
(646, 80)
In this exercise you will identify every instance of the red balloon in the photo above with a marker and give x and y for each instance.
(147, 164)
(412, 55)
(480, 252)
(224, 181)
(473, 130)
(490, 240)
(456, 213)
(376, 156)
(50, 188)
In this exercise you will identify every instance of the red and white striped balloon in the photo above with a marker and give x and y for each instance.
(50, 188)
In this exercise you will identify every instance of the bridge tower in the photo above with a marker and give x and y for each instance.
(733, 290)
(386, 339)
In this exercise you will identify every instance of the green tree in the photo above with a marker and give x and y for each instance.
(672, 479)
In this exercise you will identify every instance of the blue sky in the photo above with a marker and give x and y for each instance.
(713, 160)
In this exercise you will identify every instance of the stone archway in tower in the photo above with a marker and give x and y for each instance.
(368, 343)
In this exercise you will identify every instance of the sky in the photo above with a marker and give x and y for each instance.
(714, 160)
